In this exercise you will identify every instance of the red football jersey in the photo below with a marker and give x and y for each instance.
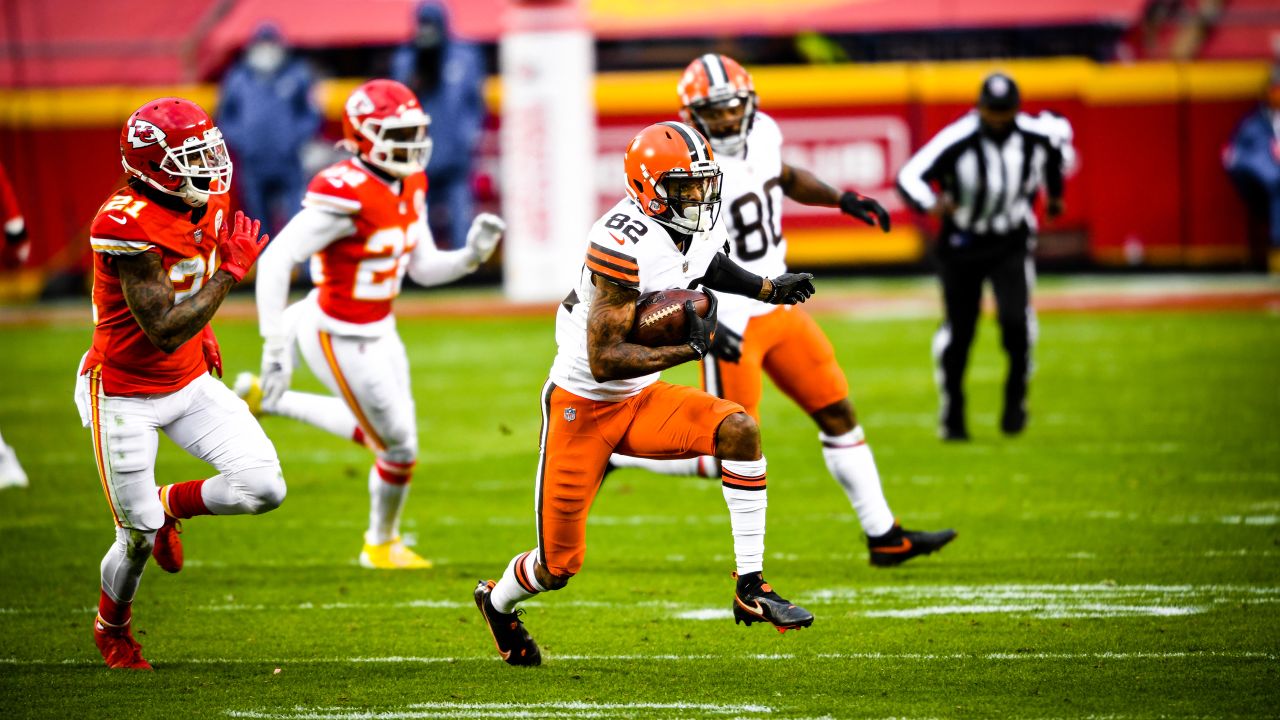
(359, 275)
(129, 223)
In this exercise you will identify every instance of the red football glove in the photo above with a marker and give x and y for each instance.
(240, 245)
(212, 355)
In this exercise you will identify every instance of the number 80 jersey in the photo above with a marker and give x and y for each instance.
(751, 211)
(359, 275)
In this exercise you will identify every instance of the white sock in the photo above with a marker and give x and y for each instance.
(704, 466)
(511, 588)
(323, 411)
(388, 490)
(743, 484)
(849, 459)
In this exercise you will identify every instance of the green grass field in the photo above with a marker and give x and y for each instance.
(1121, 559)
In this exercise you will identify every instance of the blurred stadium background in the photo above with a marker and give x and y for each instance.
(1154, 89)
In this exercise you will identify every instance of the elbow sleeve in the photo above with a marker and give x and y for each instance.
(725, 275)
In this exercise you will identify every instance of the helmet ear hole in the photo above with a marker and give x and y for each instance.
(639, 187)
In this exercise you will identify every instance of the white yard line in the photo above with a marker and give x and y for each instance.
(763, 657)
(574, 709)
(875, 601)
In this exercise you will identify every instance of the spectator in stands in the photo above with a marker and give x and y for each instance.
(981, 176)
(447, 74)
(14, 253)
(1253, 160)
(267, 116)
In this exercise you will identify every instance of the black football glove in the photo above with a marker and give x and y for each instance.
(863, 207)
(790, 288)
(702, 330)
(727, 345)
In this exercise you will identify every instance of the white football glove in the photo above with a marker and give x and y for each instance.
(486, 230)
(277, 369)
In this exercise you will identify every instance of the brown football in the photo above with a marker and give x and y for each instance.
(660, 317)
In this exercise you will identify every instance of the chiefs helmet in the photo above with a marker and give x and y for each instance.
(172, 145)
(718, 98)
(384, 123)
(673, 176)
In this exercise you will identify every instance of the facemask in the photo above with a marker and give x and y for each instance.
(429, 36)
(265, 57)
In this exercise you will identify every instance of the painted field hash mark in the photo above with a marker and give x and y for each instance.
(507, 710)
(1044, 601)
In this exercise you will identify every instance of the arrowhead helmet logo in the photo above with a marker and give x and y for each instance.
(570, 414)
(359, 104)
(143, 133)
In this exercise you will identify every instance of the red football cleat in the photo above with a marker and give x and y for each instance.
(167, 548)
(118, 647)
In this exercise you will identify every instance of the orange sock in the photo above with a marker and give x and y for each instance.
(112, 612)
(183, 500)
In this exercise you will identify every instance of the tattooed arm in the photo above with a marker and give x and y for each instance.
(149, 292)
(613, 312)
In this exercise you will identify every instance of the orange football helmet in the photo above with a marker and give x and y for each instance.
(384, 123)
(172, 145)
(673, 176)
(718, 97)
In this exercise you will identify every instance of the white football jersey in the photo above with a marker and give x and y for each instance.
(751, 213)
(628, 248)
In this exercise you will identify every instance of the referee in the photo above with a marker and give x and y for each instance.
(988, 167)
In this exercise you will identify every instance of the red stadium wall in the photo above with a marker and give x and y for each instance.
(1149, 188)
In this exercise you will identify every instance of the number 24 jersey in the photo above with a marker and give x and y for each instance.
(359, 275)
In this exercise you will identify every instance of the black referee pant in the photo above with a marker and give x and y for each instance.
(965, 262)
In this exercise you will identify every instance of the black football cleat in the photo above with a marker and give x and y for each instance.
(515, 645)
(898, 545)
(755, 601)
(1013, 420)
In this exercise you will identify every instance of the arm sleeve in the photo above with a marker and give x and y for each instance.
(309, 232)
(913, 177)
(429, 265)
(728, 276)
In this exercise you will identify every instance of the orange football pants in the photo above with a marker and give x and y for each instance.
(789, 346)
(578, 436)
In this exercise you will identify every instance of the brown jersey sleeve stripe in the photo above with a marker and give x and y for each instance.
(613, 255)
(594, 261)
(614, 276)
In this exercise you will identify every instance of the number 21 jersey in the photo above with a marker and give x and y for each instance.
(128, 224)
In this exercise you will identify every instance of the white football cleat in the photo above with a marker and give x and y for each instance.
(11, 472)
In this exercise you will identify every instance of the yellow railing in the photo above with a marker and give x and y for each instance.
(780, 87)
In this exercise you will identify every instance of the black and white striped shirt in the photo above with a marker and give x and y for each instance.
(992, 185)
